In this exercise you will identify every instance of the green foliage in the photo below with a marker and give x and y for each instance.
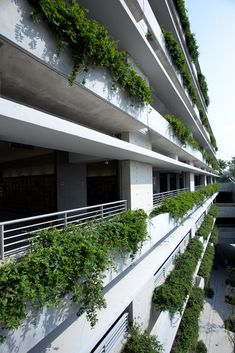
(179, 205)
(201, 347)
(213, 211)
(91, 44)
(209, 293)
(204, 87)
(71, 261)
(187, 335)
(210, 159)
(125, 233)
(230, 299)
(206, 264)
(214, 235)
(183, 133)
(229, 324)
(171, 295)
(190, 37)
(206, 227)
(179, 60)
(141, 342)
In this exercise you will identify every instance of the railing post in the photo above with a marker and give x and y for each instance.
(101, 211)
(2, 241)
(65, 219)
(125, 205)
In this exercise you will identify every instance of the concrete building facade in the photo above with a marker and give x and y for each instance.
(66, 147)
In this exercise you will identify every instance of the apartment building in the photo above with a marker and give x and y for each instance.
(100, 142)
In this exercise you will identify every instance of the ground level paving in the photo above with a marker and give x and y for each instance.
(212, 331)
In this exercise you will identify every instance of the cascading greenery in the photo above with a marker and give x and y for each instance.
(185, 135)
(206, 265)
(187, 335)
(141, 342)
(71, 261)
(179, 205)
(180, 61)
(90, 44)
(189, 36)
(171, 295)
(214, 236)
(206, 227)
(204, 87)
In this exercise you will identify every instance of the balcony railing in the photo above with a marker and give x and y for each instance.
(160, 197)
(197, 187)
(15, 236)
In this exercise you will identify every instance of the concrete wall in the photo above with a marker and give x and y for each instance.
(71, 183)
(136, 184)
(61, 330)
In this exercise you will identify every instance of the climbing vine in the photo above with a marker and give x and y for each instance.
(141, 341)
(189, 36)
(171, 295)
(90, 44)
(187, 335)
(68, 262)
(179, 205)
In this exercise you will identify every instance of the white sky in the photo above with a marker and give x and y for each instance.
(213, 22)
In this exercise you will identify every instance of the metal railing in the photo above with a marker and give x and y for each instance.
(15, 236)
(161, 275)
(161, 196)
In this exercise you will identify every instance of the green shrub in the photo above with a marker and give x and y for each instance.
(71, 261)
(230, 299)
(201, 347)
(183, 133)
(190, 37)
(213, 211)
(214, 236)
(180, 61)
(206, 264)
(90, 44)
(141, 342)
(171, 295)
(229, 324)
(206, 227)
(179, 205)
(187, 335)
(209, 293)
(204, 87)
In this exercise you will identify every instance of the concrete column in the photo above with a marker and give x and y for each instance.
(168, 178)
(71, 183)
(204, 181)
(156, 182)
(190, 181)
(177, 181)
(137, 185)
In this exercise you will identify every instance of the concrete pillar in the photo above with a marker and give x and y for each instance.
(71, 183)
(177, 181)
(168, 178)
(137, 185)
(190, 181)
(204, 181)
(156, 182)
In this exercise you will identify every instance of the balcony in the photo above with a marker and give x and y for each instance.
(165, 235)
(158, 198)
(16, 235)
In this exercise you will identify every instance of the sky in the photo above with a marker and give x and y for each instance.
(213, 22)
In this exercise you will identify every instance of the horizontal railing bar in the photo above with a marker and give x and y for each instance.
(58, 213)
(33, 225)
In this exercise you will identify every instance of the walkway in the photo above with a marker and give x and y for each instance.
(212, 332)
